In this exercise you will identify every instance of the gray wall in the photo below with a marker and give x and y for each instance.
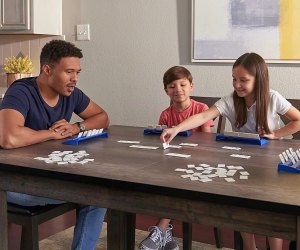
(133, 43)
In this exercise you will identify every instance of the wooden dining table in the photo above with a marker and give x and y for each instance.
(134, 180)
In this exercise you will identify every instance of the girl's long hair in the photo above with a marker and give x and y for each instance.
(256, 67)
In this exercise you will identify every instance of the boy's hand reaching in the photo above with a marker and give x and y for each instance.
(168, 134)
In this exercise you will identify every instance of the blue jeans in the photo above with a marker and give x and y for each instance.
(89, 219)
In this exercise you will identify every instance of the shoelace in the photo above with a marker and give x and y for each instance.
(156, 235)
(168, 237)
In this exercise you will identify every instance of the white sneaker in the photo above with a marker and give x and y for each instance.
(170, 243)
(154, 241)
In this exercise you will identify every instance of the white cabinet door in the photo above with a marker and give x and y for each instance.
(15, 15)
(42, 17)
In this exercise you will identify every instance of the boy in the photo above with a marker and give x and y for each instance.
(178, 85)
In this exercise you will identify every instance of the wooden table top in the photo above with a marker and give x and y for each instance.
(117, 165)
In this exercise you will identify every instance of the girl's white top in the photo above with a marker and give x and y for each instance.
(278, 105)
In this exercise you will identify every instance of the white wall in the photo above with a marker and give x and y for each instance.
(133, 42)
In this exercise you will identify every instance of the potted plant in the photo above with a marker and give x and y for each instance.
(17, 67)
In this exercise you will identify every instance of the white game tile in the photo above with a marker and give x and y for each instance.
(143, 147)
(178, 155)
(129, 142)
(206, 172)
(188, 144)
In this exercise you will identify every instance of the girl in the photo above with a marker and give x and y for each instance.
(252, 108)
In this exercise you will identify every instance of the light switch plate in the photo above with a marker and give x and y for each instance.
(83, 32)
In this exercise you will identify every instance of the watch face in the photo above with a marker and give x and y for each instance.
(81, 126)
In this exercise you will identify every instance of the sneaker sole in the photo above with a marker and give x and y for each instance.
(147, 248)
(176, 248)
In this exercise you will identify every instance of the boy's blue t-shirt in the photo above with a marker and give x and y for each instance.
(24, 96)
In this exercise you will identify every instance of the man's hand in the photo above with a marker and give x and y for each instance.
(64, 129)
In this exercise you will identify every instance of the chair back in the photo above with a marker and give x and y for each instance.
(210, 101)
(296, 104)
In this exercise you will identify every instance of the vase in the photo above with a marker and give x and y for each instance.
(11, 77)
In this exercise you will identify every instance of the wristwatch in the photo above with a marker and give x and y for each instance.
(81, 126)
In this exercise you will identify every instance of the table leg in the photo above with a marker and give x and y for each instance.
(187, 235)
(218, 237)
(238, 241)
(3, 221)
(120, 230)
(130, 230)
(298, 233)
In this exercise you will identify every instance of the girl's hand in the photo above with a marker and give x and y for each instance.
(168, 134)
(270, 136)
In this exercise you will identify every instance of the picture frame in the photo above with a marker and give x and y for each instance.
(223, 30)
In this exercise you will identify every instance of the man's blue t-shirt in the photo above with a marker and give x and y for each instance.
(24, 96)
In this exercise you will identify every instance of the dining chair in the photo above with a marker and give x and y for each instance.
(30, 217)
(296, 104)
(210, 101)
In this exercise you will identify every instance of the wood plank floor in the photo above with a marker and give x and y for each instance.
(62, 241)
(201, 233)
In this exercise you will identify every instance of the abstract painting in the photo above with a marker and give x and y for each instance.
(222, 30)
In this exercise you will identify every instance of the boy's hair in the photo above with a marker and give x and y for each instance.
(257, 67)
(176, 73)
(54, 50)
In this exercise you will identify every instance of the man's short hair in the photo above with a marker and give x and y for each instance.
(54, 50)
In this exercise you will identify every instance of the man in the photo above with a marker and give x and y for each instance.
(39, 109)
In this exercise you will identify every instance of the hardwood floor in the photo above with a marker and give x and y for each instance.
(62, 241)
(201, 233)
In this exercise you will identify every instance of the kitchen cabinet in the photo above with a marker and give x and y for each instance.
(31, 17)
